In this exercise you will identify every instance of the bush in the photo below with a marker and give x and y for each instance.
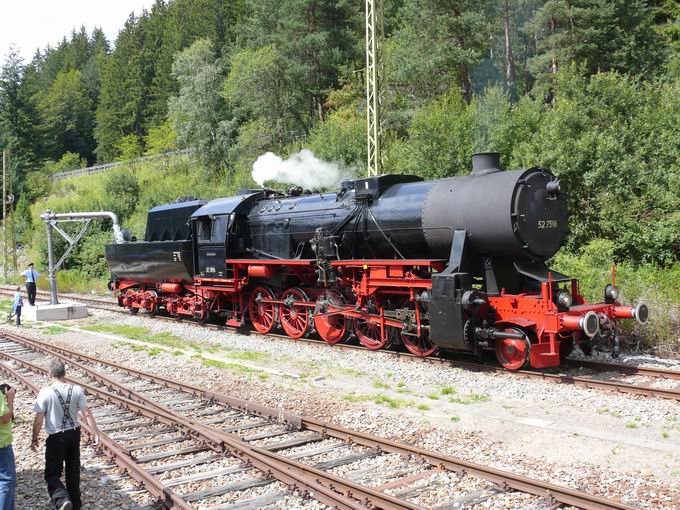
(648, 283)
(121, 191)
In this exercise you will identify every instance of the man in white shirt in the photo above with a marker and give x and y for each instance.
(58, 405)
(31, 276)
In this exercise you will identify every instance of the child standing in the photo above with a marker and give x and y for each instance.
(18, 303)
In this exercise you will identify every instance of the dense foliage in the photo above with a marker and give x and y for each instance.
(588, 88)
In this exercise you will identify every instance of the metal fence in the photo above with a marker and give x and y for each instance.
(108, 166)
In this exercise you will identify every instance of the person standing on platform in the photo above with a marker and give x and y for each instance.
(31, 276)
(58, 406)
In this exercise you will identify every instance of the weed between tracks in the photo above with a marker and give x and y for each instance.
(471, 398)
(232, 367)
(351, 371)
(381, 399)
(53, 330)
(143, 335)
(173, 344)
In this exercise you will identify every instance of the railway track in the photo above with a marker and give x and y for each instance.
(603, 376)
(193, 448)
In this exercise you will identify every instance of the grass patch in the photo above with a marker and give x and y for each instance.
(177, 353)
(665, 434)
(631, 425)
(401, 384)
(455, 419)
(54, 330)
(423, 407)
(433, 396)
(448, 390)
(471, 398)
(380, 399)
(356, 398)
(381, 385)
(394, 403)
(602, 410)
(248, 355)
(144, 335)
(351, 371)
(225, 365)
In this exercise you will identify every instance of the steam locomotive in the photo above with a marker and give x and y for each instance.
(455, 264)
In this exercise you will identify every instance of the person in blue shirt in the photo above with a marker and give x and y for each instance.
(18, 303)
(31, 276)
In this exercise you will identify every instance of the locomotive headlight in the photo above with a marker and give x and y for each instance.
(611, 293)
(564, 299)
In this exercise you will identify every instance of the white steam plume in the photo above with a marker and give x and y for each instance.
(302, 169)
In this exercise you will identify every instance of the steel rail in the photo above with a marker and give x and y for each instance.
(581, 381)
(330, 489)
(506, 479)
(658, 373)
(118, 454)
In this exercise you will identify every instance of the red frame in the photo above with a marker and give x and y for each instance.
(534, 313)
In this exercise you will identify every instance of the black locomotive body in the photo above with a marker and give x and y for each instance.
(455, 263)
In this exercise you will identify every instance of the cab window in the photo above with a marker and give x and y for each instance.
(204, 228)
(219, 230)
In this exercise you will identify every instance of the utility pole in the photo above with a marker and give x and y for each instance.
(4, 213)
(375, 35)
(10, 207)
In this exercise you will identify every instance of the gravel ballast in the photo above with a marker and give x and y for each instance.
(460, 410)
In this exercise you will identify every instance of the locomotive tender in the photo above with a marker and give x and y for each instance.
(455, 264)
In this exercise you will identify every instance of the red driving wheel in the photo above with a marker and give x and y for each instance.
(262, 315)
(418, 345)
(369, 334)
(332, 328)
(294, 317)
(513, 353)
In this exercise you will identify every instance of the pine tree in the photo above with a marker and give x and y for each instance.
(600, 35)
(309, 41)
(123, 95)
(436, 45)
(17, 116)
(68, 117)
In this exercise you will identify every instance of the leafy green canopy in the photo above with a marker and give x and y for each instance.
(585, 87)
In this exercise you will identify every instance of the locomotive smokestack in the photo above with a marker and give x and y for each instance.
(486, 163)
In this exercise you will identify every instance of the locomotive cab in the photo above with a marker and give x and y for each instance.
(219, 227)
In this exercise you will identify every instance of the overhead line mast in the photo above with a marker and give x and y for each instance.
(375, 34)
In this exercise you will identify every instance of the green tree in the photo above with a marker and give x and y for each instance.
(601, 35)
(124, 93)
(17, 115)
(67, 116)
(259, 85)
(437, 43)
(668, 26)
(439, 142)
(305, 43)
(122, 192)
(199, 112)
(342, 137)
